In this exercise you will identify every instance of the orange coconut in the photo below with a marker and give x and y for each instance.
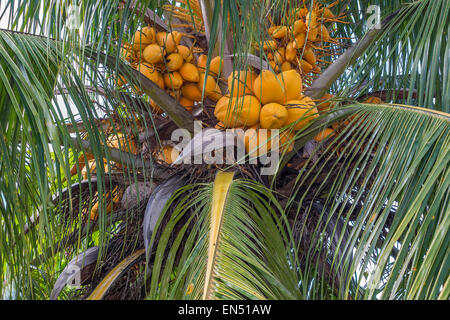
(191, 91)
(268, 88)
(299, 26)
(153, 53)
(273, 116)
(216, 94)
(185, 53)
(143, 38)
(306, 66)
(309, 56)
(174, 61)
(240, 82)
(240, 111)
(210, 85)
(290, 52)
(173, 80)
(279, 32)
(300, 112)
(189, 72)
(188, 104)
(292, 82)
(150, 72)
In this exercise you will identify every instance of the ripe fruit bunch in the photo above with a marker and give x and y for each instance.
(160, 57)
(265, 101)
(301, 40)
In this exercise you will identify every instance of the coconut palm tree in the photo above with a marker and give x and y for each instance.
(88, 196)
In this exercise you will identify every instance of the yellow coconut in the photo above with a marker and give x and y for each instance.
(216, 65)
(260, 141)
(302, 12)
(174, 61)
(240, 111)
(313, 34)
(290, 52)
(177, 37)
(267, 88)
(150, 72)
(279, 32)
(153, 53)
(210, 83)
(278, 57)
(173, 80)
(240, 82)
(189, 72)
(299, 41)
(311, 19)
(299, 27)
(309, 56)
(285, 66)
(273, 65)
(216, 94)
(143, 37)
(323, 33)
(300, 112)
(269, 45)
(120, 141)
(272, 116)
(222, 103)
(168, 40)
(306, 66)
(272, 29)
(188, 104)
(160, 82)
(201, 61)
(324, 134)
(161, 37)
(185, 53)
(91, 167)
(292, 82)
(191, 91)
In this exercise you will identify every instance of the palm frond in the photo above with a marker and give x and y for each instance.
(385, 179)
(408, 62)
(100, 291)
(238, 246)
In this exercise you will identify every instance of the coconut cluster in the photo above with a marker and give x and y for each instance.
(274, 99)
(300, 40)
(161, 58)
(265, 101)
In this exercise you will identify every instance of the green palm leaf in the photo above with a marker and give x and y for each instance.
(238, 247)
(385, 177)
